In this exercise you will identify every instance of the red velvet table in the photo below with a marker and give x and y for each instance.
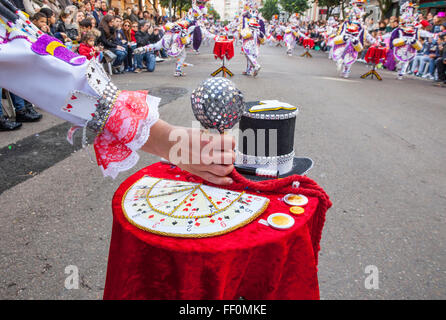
(376, 55)
(308, 43)
(253, 262)
(224, 49)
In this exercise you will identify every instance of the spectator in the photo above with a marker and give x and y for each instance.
(131, 43)
(144, 37)
(40, 20)
(140, 16)
(24, 113)
(108, 40)
(134, 15)
(433, 53)
(421, 55)
(127, 13)
(437, 22)
(134, 31)
(441, 61)
(146, 16)
(96, 12)
(96, 32)
(87, 47)
(64, 27)
(80, 16)
(51, 19)
(394, 24)
(104, 8)
(85, 26)
(121, 40)
(430, 18)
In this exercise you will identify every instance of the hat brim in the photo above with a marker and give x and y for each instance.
(300, 167)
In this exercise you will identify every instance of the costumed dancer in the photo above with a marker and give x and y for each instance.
(40, 69)
(404, 40)
(233, 29)
(197, 19)
(174, 41)
(271, 31)
(330, 34)
(350, 39)
(291, 34)
(253, 35)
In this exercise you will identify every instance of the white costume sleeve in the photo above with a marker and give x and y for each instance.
(425, 34)
(43, 71)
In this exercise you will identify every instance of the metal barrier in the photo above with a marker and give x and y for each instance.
(8, 106)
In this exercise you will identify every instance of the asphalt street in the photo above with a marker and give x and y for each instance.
(379, 149)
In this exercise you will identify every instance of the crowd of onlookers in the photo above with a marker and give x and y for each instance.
(96, 31)
(430, 61)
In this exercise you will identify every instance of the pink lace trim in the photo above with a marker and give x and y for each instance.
(127, 130)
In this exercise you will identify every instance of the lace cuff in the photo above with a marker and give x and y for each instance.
(126, 130)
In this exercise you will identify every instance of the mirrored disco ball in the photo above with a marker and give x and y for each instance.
(217, 103)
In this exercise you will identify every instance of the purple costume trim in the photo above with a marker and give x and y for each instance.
(394, 54)
(262, 27)
(8, 39)
(197, 37)
(348, 50)
(390, 63)
(61, 52)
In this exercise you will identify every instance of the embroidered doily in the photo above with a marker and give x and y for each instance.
(186, 209)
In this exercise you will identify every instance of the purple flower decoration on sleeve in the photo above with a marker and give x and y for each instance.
(47, 45)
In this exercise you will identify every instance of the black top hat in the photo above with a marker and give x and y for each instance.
(266, 141)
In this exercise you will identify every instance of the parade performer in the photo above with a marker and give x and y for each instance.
(253, 35)
(330, 34)
(291, 33)
(404, 40)
(197, 19)
(350, 39)
(174, 41)
(40, 69)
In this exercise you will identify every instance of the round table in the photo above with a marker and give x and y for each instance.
(253, 262)
(308, 43)
(224, 49)
(376, 55)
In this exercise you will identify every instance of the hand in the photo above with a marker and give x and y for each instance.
(120, 48)
(209, 156)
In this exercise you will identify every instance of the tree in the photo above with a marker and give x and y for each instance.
(212, 12)
(329, 4)
(270, 8)
(294, 6)
(177, 5)
(385, 6)
(153, 4)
